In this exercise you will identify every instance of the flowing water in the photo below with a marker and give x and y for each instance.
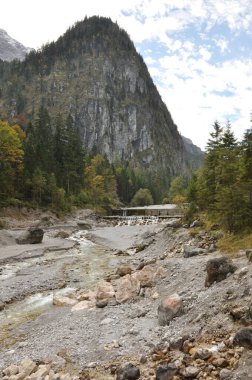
(89, 263)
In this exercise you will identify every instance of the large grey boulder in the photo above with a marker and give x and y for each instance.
(33, 235)
(218, 269)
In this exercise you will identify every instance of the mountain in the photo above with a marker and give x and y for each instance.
(11, 49)
(94, 73)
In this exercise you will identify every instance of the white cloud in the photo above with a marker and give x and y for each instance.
(205, 53)
(150, 60)
(195, 92)
(222, 44)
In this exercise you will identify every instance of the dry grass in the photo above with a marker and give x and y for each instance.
(2, 224)
(233, 243)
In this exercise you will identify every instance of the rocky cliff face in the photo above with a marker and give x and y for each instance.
(11, 49)
(94, 73)
(194, 154)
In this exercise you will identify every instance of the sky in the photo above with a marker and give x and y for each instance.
(198, 52)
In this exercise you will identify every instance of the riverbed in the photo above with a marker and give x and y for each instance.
(97, 337)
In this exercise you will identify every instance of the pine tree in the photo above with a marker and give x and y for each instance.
(216, 137)
(209, 179)
(43, 141)
(228, 139)
(246, 174)
(74, 160)
(60, 150)
(38, 185)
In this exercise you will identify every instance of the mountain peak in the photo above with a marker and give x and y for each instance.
(10, 48)
(94, 73)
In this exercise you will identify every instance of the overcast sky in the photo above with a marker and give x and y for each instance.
(199, 52)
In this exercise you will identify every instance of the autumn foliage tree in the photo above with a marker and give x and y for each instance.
(100, 183)
(11, 157)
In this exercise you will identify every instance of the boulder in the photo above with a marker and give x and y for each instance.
(148, 275)
(190, 251)
(174, 224)
(82, 305)
(41, 372)
(166, 372)
(11, 370)
(28, 366)
(145, 276)
(169, 308)
(127, 371)
(105, 292)
(218, 269)
(59, 300)
(243, 337)
(239, 312)
(32, 235)
(123, 270)
(128, 287)
(84, 295)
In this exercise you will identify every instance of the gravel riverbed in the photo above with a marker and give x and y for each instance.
(95, 338)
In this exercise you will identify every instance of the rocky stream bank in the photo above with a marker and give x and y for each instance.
(96, 301)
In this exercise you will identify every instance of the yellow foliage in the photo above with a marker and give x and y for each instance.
(11, 158)
(11, 151)
(20, 132)
(100, 182)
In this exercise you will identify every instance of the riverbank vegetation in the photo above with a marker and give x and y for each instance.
(222, 188)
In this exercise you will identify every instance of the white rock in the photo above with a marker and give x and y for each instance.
(63, 301)
(82, 305)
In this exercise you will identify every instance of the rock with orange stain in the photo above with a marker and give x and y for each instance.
(170, 307)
